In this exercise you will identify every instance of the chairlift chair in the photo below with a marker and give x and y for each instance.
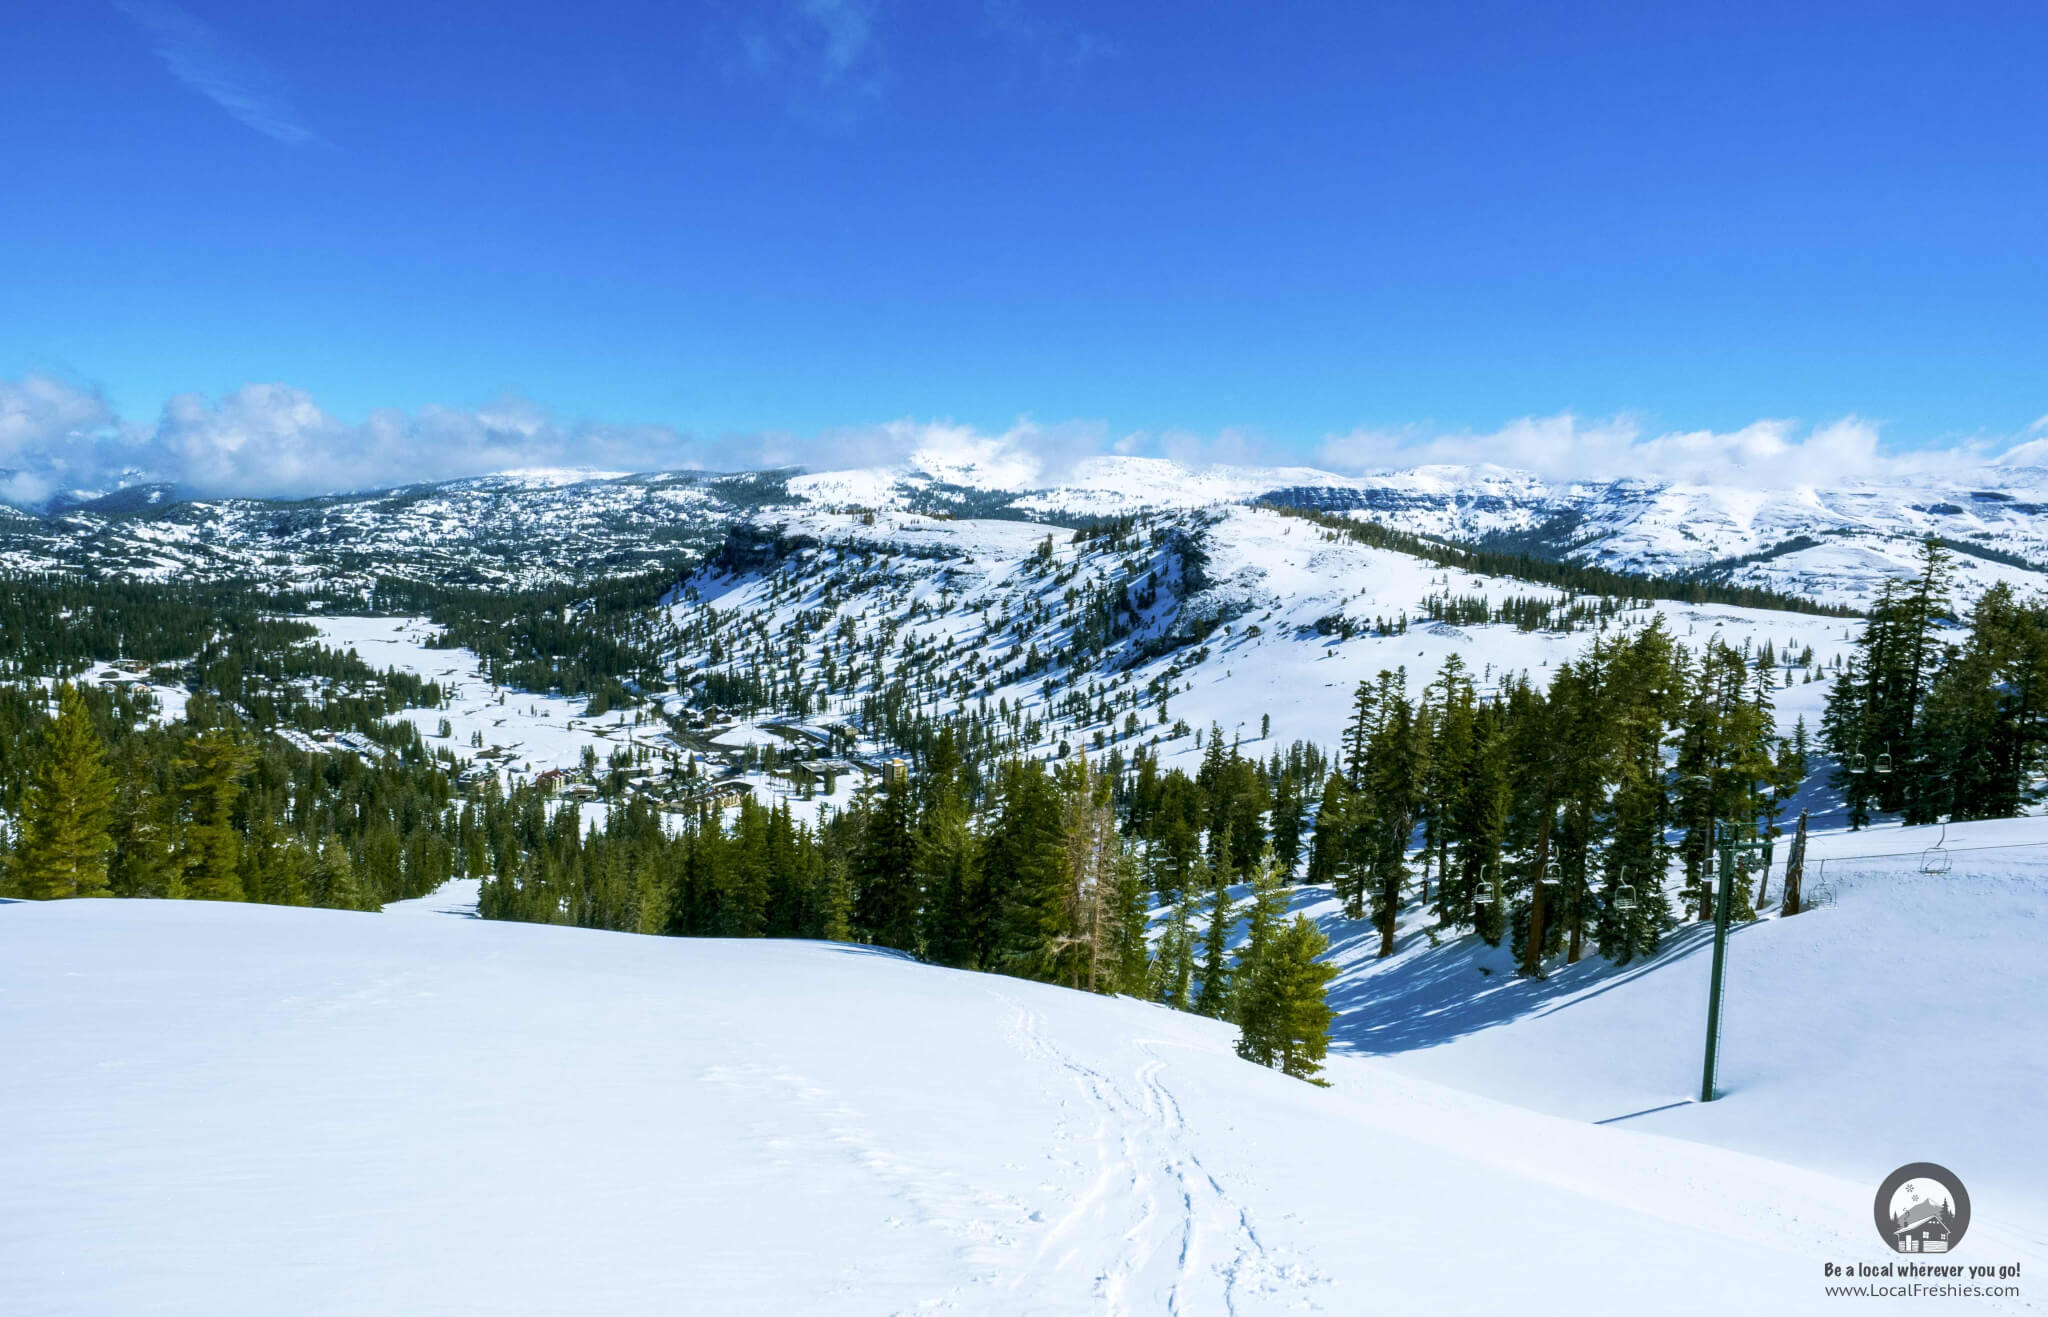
(1859, 764)
(1624, 894)
(1884, 761)
(1484, 896)
(1936, 861)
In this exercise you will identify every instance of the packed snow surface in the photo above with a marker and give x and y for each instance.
(1899, 1021)
(229, 1109)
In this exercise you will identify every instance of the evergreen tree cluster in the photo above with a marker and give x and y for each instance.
(1933, 719)
(1550, 818)
(1574, 577)
(108, 803)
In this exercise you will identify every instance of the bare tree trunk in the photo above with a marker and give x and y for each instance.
(1795, 868)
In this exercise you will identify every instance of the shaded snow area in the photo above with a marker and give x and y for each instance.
(228, 1109)
(1900, 1021)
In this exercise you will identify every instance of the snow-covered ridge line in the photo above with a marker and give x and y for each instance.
(1834, 544)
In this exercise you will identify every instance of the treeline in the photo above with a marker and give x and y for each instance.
(56, 625)
(1552, 818)
(1576, 577)
(1563, 614)
(99, 801)
(588, 639)
(213, 641)
(1934, 720)
(1036, 873)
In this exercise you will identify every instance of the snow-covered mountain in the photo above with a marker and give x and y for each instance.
(1260, 623)
(1834, 544)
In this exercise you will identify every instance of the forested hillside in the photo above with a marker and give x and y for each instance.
(1039, 835)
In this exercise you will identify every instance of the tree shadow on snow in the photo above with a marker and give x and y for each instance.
(1423, 996)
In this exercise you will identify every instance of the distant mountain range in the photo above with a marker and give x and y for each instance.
(1834, 544)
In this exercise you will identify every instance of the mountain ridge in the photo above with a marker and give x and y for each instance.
(1834, 544)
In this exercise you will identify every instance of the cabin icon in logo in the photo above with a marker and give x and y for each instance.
(1923, 1228)
(1922, 1208)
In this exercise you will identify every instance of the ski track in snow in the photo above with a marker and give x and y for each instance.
(981, 1226)
(1158, 1231)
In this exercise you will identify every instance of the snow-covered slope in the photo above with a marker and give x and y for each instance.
(519, 528)
(1891, 1024)
(228, 1109)
(1232, 616)
(1835, 543)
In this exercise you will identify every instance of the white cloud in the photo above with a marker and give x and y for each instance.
(233, 79)
(1027, 453)
(1764, 454)
(267, 439)
(827, 55)
(273, 440)
(55, 437)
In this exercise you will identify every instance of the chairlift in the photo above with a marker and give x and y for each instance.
(1859, 764)
(1884, 761)
(1937, 860)
(1624, 894)
(1549, 878)
(1484, 896)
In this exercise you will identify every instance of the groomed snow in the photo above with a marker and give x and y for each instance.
(228, 1109)
(1897, 1022)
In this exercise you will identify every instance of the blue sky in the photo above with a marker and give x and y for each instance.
(1262, 228)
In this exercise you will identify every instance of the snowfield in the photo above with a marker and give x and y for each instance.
(538, 731)
(228, 1109)
(1899, 1022)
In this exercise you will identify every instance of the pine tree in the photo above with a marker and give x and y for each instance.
(1327, 860)
(1263, 913)
(67, 814)
(1642, 681)
(838, 924)
(145, 861)
(1358, 733)
(1284, 1019)
(1173, 969)
(1132, 960)
(1383, 812)
(1214, 997)
(210, 783)
(332, 880)
(1025, 874)
(1289, 814)
(885, 872)
(947, 866)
